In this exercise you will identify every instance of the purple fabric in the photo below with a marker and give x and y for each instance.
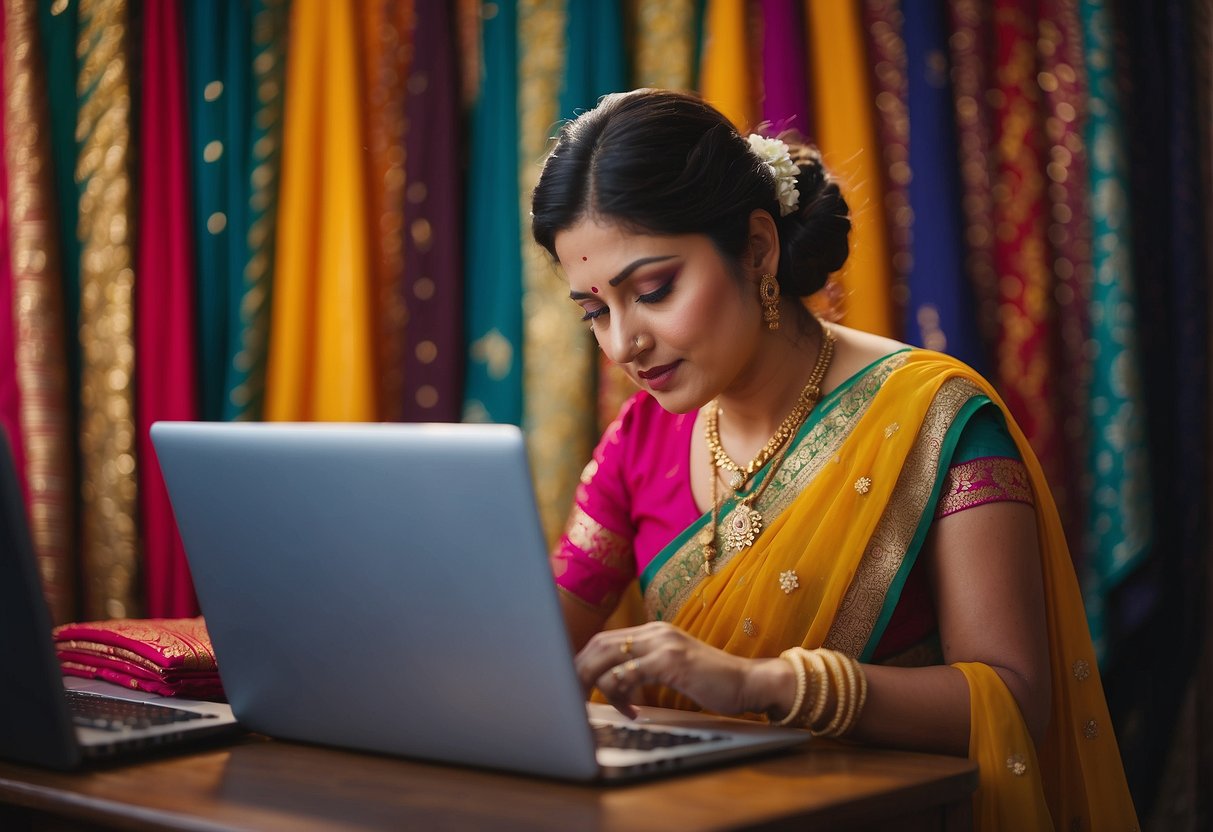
(785, 80)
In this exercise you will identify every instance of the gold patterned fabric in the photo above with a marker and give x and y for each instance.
(109, 540)
(387, 29)
(40, 339)
(986, 480)
(846, 515)
(558, 371)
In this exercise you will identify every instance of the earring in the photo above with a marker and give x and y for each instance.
(768, 295)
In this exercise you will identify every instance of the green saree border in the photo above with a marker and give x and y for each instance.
(820, 436)
(893, 596)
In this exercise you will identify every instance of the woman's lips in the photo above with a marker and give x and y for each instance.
(659, 378)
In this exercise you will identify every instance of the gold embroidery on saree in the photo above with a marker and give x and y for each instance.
(681, 575)
(985, 480)
(599, 542)
(890, 541)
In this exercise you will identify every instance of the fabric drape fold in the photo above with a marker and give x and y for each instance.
(433, 223)
(725, 76)
(939, 312)
(846, 134)
(109, 485)
(1027, 358)
(321, 359)
(493, 315)
(565, 51)
(1118, 499)
(39, 338)
(164, 301)
(785, 83)
(388, 48)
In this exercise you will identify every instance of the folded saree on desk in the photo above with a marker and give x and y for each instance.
(171, 657)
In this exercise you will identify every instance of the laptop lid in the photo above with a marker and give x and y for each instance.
(35, 726)
(381, 587)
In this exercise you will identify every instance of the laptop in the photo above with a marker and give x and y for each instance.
(385, 587)
(62, 722)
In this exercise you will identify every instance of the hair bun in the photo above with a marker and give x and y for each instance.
(813, 240)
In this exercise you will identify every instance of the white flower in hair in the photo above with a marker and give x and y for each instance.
(776, 156)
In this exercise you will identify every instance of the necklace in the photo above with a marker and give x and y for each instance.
(747, 522)
(804, 403)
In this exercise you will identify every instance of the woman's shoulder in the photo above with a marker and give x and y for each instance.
(856, 351)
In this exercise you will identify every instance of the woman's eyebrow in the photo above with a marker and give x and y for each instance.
(626, 273)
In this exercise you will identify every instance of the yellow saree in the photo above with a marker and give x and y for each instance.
(848, 512)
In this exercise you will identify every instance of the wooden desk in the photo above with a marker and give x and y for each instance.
(255, 783)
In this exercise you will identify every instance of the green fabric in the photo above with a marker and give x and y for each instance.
(493, 323)
(58, 36)
(985, 435)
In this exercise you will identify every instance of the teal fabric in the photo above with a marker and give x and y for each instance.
(985, 435)
(235, 74)
(58, 37)
(493, 300)
(217, 54)
(1119, 521)
(257, 107)
(596, 63)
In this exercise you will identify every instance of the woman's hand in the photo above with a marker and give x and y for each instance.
(619, 662)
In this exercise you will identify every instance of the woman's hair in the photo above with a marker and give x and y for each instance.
(667, 163)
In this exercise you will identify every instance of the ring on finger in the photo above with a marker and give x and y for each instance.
(626, 646)
(630, 665)
(617, 671)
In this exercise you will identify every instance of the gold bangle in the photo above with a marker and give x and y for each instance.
(792, 656)
(859, 701)
(817, 663)
(842, 696)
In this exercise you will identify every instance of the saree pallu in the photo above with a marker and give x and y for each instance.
(847, 515)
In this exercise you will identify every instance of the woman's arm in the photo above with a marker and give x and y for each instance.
(984, 567)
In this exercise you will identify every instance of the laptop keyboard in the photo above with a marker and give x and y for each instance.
(90, 710)
(642, 739)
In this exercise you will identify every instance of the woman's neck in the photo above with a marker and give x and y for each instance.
(753, 409)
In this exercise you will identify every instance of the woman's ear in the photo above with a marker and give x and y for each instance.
(763, 254)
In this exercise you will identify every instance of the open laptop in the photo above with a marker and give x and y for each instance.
(52, 721)
(386, 588)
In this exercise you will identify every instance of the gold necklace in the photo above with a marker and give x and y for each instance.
(747, 521)
(804, 403)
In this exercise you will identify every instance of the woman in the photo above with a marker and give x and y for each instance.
(831, 529)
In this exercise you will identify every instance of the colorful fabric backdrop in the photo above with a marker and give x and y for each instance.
(301, 209)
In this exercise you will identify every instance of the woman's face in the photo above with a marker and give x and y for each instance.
(669, 310)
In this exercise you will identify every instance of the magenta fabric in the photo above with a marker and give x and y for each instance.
(10, 392)
(785, 80)
(638, 489)
(164, 300)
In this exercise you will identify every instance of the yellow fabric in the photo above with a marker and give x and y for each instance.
(891, 432)
(724, 76)
(846, 135)
(321, 359)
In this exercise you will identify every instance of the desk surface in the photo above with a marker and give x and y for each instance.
(255, 783)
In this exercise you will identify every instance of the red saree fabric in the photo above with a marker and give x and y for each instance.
(164, 300)
(1026, 355)
(172, 657)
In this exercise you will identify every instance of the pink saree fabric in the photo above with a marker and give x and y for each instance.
(172, 657)
(10, 393)
(164, 300)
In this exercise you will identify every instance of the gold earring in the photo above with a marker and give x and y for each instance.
(768, 295)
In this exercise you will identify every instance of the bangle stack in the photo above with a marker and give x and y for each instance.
(823, 678)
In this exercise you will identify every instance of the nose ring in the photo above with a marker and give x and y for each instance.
(641, 342)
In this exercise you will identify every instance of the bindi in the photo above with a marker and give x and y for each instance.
(594, 289)
(584, 259)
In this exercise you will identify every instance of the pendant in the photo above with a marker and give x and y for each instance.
(744, 527)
